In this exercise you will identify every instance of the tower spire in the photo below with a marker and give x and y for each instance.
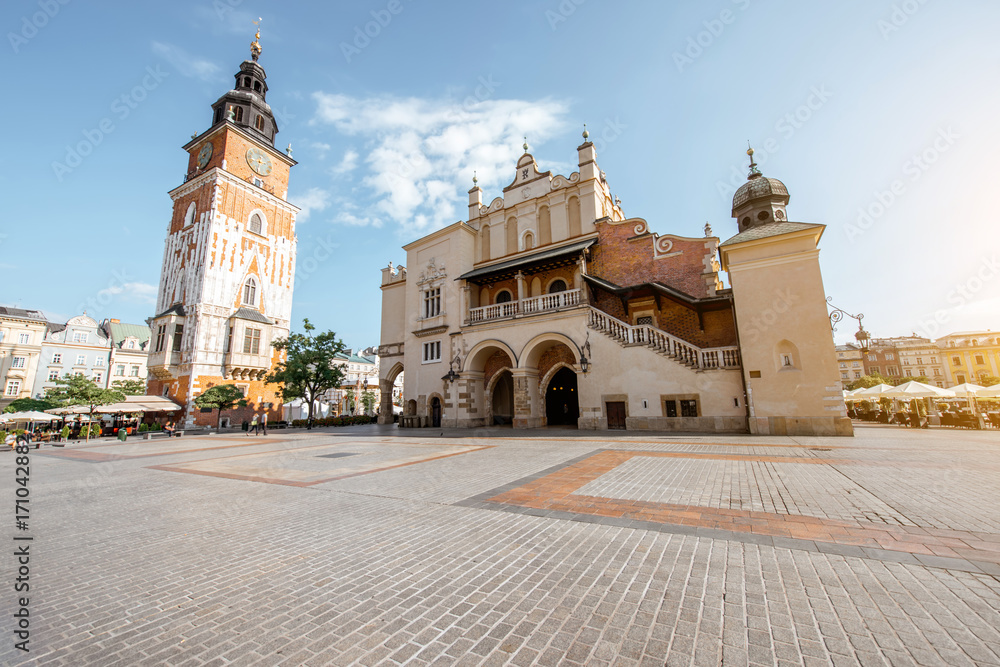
(255, 44)
(754, 171)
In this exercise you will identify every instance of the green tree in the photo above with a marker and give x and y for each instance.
(29, 404)
(78, 390)
(221, 397)
(130, 387)
(349, 399)
(911, 378)
(989, 380)
(307, 369)
(867, 381)
(368, 400)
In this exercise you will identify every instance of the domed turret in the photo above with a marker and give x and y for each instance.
(246, 105)
(760, 200)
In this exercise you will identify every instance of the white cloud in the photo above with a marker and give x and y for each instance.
(348, 163)
(185, 63)
(419, 154)
(314, 199)
(321, 148)
(134, 291)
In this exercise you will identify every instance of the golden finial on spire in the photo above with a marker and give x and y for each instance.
(255, 44)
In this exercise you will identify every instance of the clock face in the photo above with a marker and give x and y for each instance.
(259, 161)
(204, 155)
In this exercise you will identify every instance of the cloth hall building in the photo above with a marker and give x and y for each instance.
(549, 305)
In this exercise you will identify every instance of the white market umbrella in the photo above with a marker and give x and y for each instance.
(914, 389)
(30, 416)
(989, 392)
(874, 392)
(967, 389)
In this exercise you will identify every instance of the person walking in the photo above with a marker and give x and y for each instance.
(263, 421)
(253, 426)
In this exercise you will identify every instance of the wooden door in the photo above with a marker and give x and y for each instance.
(616, 415)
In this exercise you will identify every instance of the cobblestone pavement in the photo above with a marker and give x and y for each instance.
(372, 546)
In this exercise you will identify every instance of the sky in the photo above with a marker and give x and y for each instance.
(879, 117)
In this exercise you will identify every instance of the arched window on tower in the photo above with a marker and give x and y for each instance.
(218, 115)
(256, 224)
(189, 215)
(259, 123)
(246, 81)
(238, 114)
(256, 86)
(250, 292)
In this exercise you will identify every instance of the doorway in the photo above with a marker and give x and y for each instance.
(435, 411)
(502, 400)
(616, 415)
(562, 402)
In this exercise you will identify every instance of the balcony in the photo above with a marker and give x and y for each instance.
(534, 305)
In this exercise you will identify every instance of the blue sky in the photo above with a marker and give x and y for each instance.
(880, 117)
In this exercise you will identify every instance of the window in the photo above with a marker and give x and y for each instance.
(13, 388)
(133, 371)
(857, 374)
(131, 345)
(872, 357)
(251, 341)
(956, 361)
(178, 337)
(189, 215)
(259, 123)
(120, 370)
(53, 375)
(256, 224)
(81, 360)
(161, 334)
(557, 286)
(644, 320)
(504, 296)
(937, 372)
(432, 351)
(99, 362)
(25, 338)
(960, 378)
(79, 336)
(843, 364)
(892, 370)
(889, 356)
(979, 359)
(229, 341)
(875, 369)
(843, 375)
(855, 364)
(250, 292)
(921, 373)
(166, 390)
(246, 81)
(237, 114)
(99, 377)
(933, 360)
(689, 408)
(432, 302)
(18, 362)
(671, 408)
(920, 361)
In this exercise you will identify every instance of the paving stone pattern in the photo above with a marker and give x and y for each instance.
(424, 563)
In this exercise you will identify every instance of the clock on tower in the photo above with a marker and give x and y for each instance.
(228, 270)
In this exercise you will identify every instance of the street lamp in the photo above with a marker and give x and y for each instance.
(862, 336)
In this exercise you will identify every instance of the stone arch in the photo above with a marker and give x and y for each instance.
(552, 283)
(476, 359)
(533, 350)
(504, 375)
(430, 401)
(787, 356)
(527, 240)
(543, 382)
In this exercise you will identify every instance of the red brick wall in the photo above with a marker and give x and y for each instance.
(626, 259)
(497, 361)
(552, 356)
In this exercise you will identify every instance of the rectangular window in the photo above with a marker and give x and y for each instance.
(843, 375)
(979, 359)
(53, 375)
(956, 361)
(920, 361)
(24, 338)
(889, 356)
(872, 357)
(937, 372)
(79, 336)
(81, 360)
(432, 351)
(229, 341)
(843, 364)
(161, 335)
(855, 364)
(689, 408)
(99, 362)
(99, 378)
(857, 374)
(178, 337)
(251, 341)
(13, 388)
(119, 370)
(432, 302)
(57, 358)
(133, 371)
(892, 370)
(18, 362)
(671, 408)
(875, 369)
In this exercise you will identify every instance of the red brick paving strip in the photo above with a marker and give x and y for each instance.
(557, 492)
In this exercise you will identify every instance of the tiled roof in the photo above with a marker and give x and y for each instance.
(252, 315)
(21, 313)
(120, 331)
(768, 230)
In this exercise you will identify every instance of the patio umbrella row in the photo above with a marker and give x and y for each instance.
(914, 389)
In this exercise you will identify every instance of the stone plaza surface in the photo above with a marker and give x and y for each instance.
(373, 546)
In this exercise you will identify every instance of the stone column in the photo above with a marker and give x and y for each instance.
(385, 408)
(464, 303)
(527, 413)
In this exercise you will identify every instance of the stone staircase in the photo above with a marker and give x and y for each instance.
(661, 342)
